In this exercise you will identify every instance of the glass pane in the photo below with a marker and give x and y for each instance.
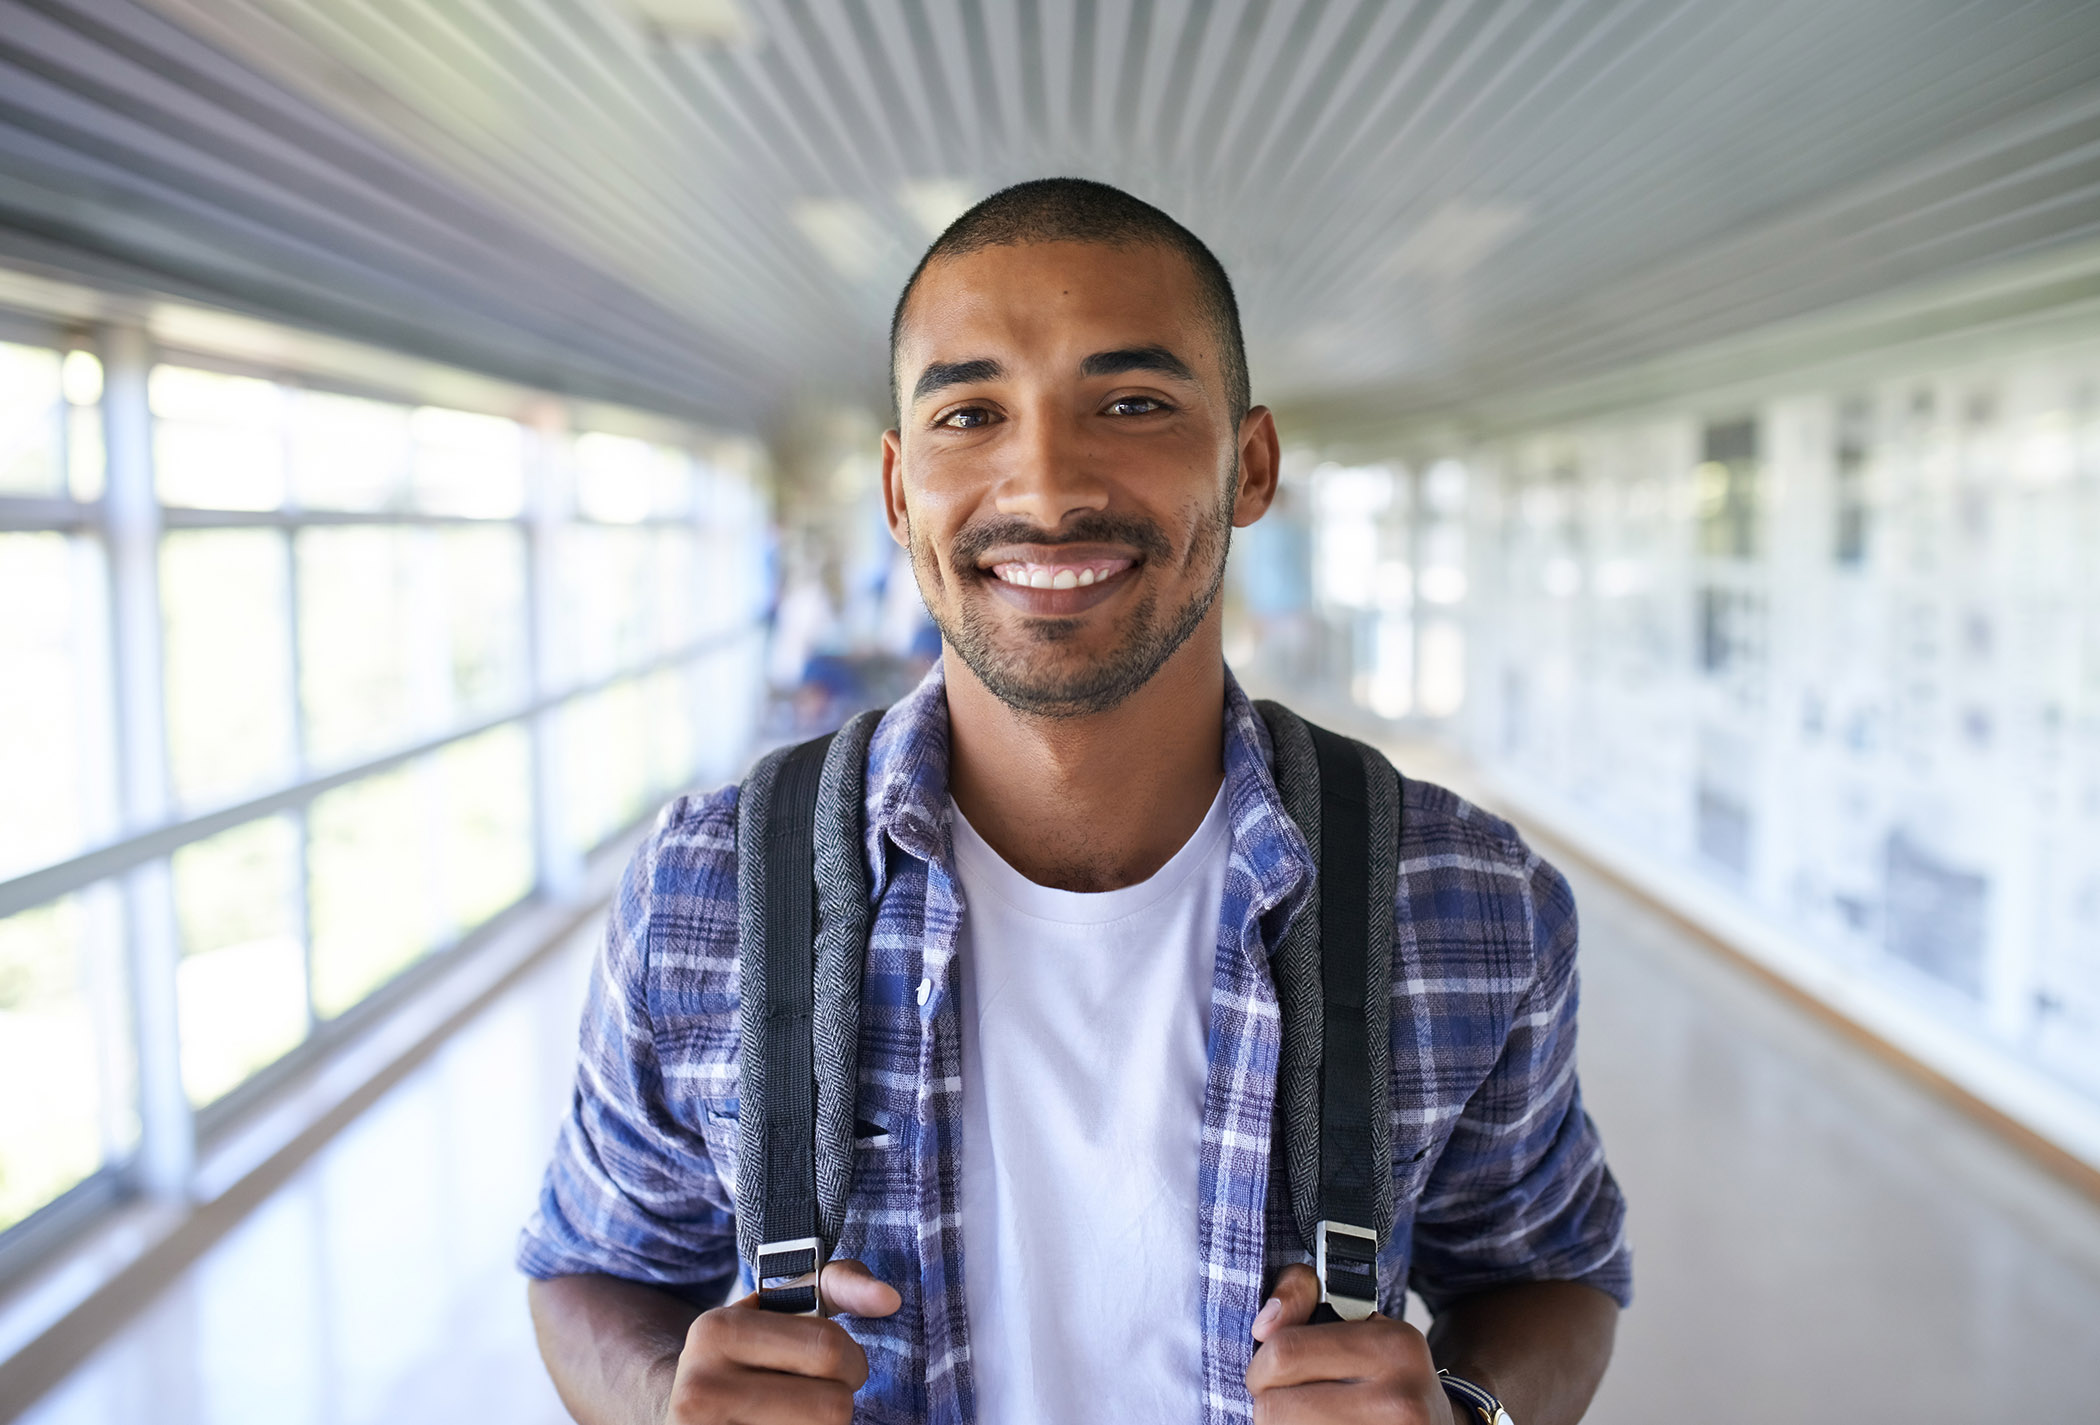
(488, 800)
(622, 480)
(673, 730)
(408, 632)
(363, 645)
(467, 464)
(32, 435)
(677, 598)
(376, 899)
(484, 582)
(349, 453)
(241, 985)
(605, 762)
(603, 604)
(85, 462)
(730, 687)
(56, 762)
(218, 441)
(224, 597)
(62, 1030)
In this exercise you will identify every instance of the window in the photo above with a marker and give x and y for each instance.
(1726, 487)
(359, 726)
(1855, 435)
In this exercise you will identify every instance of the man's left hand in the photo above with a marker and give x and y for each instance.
(1371, 1372)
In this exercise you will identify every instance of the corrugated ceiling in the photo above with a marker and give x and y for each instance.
(1423, 203)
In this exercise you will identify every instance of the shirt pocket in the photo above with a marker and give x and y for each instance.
(1412, 1163)
(721, 1125)
(722, 1130)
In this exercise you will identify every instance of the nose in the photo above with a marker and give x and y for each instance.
(1047, 476)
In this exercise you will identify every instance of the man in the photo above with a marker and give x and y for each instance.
(1066, 1202)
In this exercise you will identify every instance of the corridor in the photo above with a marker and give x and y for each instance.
(1815, 1236)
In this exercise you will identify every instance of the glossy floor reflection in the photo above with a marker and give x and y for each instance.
(1816, 1238)
(375, 1287)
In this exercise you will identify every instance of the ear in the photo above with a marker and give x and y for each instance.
(1261, 464)
(893, 488)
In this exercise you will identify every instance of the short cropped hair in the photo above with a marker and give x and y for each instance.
(1081, 210)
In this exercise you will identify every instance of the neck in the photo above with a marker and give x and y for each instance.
(1098, 802)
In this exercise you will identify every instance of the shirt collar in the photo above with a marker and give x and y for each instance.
(907, 792)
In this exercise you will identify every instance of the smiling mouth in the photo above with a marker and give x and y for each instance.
(1061, 574)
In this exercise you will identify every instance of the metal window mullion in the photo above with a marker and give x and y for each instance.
(1414, 482)
(301, 890)
(36, 887)
(167, 1136)
(551, 488)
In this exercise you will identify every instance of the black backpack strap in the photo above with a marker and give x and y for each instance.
(1334, 983)
(802, 932)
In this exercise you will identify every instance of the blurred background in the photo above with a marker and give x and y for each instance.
(435, 433)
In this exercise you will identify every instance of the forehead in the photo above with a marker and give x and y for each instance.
(1053, 299)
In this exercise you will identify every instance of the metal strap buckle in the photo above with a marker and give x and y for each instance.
(1345, 1258)
(787, 1275)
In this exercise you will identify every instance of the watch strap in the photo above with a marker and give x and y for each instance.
(1483, 1405)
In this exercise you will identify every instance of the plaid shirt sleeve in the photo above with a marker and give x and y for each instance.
(1522, 1192)
(632, 1190)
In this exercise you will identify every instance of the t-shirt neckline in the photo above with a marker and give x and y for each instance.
(985, 869)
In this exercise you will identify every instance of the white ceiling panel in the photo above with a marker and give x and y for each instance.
(707, 206)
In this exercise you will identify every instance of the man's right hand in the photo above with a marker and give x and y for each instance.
(753, 1367)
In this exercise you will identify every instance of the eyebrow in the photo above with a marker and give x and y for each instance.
(943, 374)
(1137, 358)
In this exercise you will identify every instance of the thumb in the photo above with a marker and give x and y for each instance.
(847, 1288)
(1291, 1304)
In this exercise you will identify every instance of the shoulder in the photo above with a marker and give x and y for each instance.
(675, 913)
(1473, 877)
(690, 852)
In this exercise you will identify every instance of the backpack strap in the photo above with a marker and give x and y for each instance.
(1334, 984)
(802, 893)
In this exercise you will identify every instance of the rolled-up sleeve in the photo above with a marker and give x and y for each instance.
(1522, 1191)
(631, 1190)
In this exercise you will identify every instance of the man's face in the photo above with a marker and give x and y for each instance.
(1066, 471)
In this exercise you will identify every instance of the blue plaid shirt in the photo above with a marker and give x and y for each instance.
(1499, 1174)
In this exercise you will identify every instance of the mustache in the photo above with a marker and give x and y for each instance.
(1088, 527)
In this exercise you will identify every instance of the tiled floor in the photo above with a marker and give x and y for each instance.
(1817, 1240)
(375, 1287)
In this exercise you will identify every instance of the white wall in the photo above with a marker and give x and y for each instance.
(1859, 705)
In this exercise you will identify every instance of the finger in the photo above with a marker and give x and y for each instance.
(1329, 1404)
(1372, 1349)
(847, 1288)
(743, 1335)
(1291, 1303)
(766, 1398)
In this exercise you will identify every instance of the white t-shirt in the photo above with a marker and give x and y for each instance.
(1085, 1021)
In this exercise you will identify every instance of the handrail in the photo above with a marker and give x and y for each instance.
(32, 514)
(49, 882)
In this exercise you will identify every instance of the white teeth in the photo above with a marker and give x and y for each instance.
(1036, 577)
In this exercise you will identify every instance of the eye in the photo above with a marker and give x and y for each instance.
(964, 418)
(1136, 405)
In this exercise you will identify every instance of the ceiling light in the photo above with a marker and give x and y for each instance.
(936, 202)
(1456, 239)
(721, 22)
(846, 234)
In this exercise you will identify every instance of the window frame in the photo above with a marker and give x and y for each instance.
(550, 508)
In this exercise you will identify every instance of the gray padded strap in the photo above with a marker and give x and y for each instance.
(842, 943)
(842, 888)
(1297, 971)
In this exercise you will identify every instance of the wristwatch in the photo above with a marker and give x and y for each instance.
(1483, 1406)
